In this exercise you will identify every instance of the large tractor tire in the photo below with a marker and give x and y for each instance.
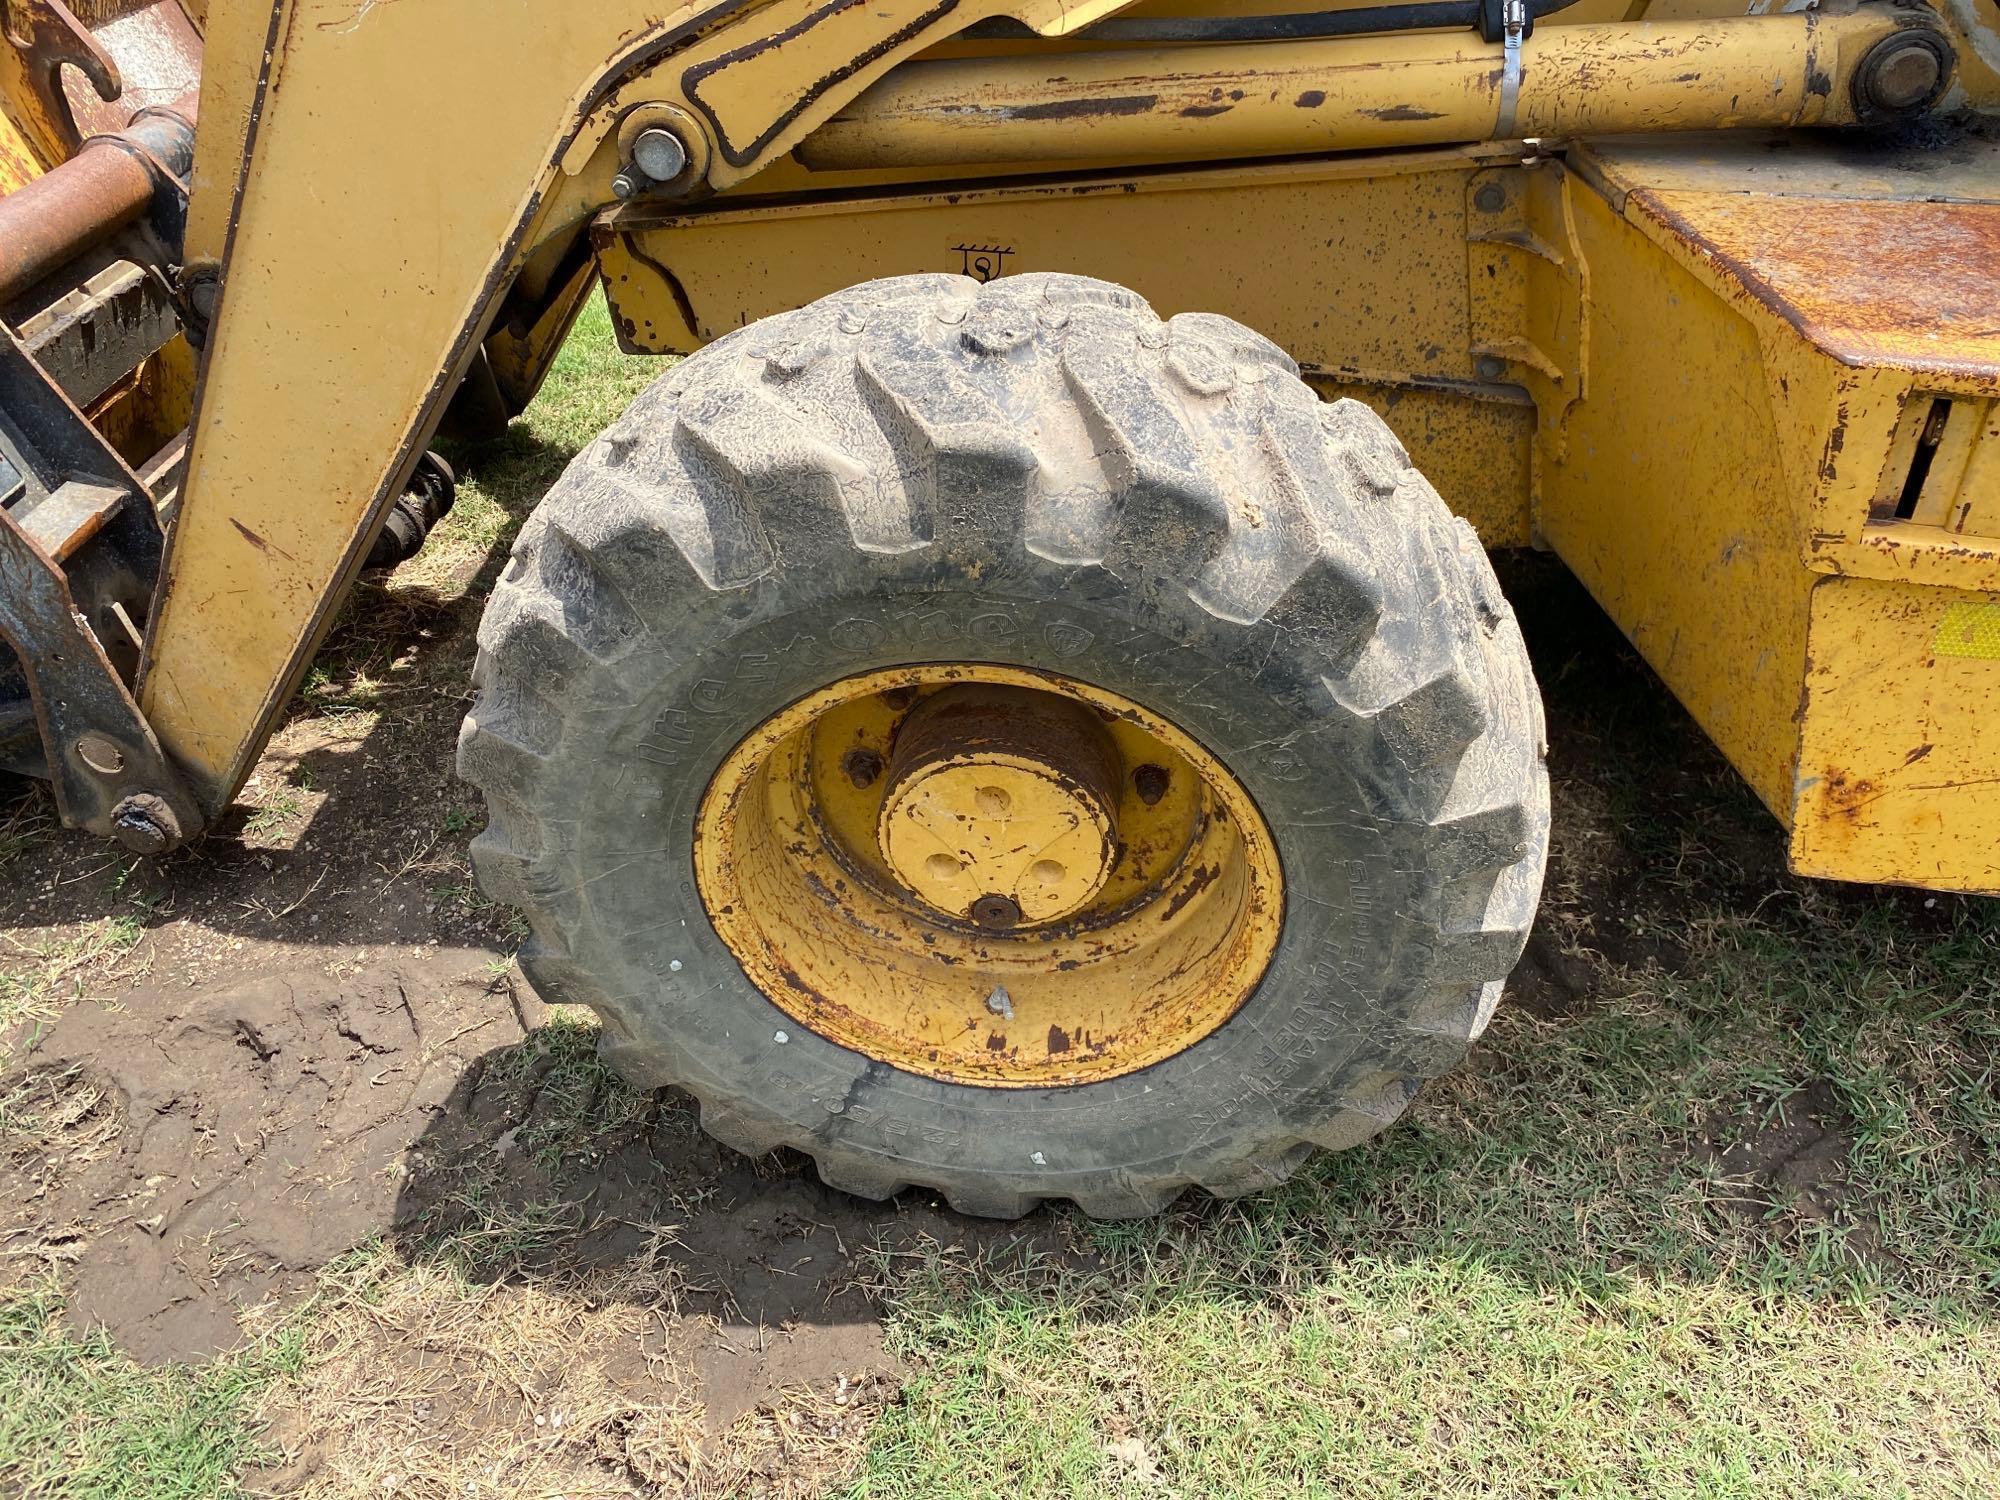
(988, 738)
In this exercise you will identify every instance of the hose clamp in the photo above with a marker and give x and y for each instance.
(1513, 29)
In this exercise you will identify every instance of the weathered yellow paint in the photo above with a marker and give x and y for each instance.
(1398, 90)
(1898, 758)
(19, 164)
(293, 461)
(998, 824)
(1706, 398)
(1747, 430)
(789, 858)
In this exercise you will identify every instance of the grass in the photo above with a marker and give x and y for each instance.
(1542, 1284)
(37, 979)
(78, 1419)
(1585, 1265)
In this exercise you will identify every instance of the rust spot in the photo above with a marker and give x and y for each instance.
(1889, 281)
(1203, 111)
(1084, 109)
(1198, 882)
(995, 1042)
(1058, 1040)
(1402, 112)
(1311, 99)
(1846, 798)
(791, 978)
(1918, 754)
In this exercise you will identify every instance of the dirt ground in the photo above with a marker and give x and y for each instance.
(293, 1069)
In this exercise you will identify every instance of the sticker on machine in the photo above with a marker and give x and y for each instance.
(1970, 630)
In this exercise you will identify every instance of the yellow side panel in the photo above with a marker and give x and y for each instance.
(1674, 504)
(1900, 762)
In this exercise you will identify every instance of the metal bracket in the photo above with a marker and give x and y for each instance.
(109, 773)
(1530, 312)
(80, 551)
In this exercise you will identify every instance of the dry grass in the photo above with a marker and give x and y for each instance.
(422, 1381)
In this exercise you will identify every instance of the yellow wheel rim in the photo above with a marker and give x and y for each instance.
(989, 875)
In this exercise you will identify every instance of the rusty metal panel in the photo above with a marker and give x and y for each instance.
(1908, 285)
(1786, 385)
(1899, 758)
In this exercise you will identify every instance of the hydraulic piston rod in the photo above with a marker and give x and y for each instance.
(1353, 94)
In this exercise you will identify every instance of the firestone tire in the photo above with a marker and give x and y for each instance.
(1037, 472)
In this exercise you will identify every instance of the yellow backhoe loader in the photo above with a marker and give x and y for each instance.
(1023, 708)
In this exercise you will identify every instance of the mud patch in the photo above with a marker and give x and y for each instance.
(534, 1277)
(235, 1142)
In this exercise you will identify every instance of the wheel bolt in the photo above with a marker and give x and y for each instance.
(1150, 782)
(862, 768)
(996, 913)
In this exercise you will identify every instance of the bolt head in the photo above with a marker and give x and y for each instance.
(627, 185)
(1489, 368)
(862, 767)
(658, 153)
(1151, 782)
(996, 913)
(1490, 198)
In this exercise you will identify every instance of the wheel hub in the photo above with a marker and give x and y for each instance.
(989, 875)
(1001, 805)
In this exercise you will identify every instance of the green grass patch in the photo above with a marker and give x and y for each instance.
(78, 1419)
(1547, 1282)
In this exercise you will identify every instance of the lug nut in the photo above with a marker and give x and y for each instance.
(1151, 782)
(862, 768)
(628, 185)
(996, 913)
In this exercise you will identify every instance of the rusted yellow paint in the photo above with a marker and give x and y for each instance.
(998, 824)
(1898, 759)
(19, 164)
(1696, 371)
(347, 317)
(1728, 488)
(1094, 984)
(1399, 89)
